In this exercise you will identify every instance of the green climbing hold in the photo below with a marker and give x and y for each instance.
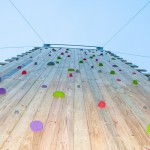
(91, 57)
(59, 94)
(112, 72)
(57, 62)
(113, 59)
(148, 128)
(70, 69)
(58, 57)
(81, 61)
(100, 64)
(135, 82)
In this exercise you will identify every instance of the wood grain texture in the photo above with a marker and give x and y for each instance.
(74, 122)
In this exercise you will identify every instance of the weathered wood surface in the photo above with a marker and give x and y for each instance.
(74, 122)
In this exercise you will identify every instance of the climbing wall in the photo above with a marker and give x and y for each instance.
(73, 99)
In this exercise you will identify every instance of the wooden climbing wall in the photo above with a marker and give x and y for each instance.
(99, 110)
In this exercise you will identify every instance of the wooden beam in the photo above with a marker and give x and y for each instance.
(9, 60)
(124, 60)
(147, 74)
(128, 63)
(133, 66)
(141, 70)
(3, 63)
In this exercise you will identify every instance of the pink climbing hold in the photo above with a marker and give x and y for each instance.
(102, 104)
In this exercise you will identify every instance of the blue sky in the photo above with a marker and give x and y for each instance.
(88, 22)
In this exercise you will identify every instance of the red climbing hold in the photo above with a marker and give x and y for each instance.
(101, 104)
(84, 58)
(19, 67)
(24, 72)
(70, 75)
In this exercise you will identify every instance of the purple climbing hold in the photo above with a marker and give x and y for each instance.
(2, 91)
(36, 126)
(44, 86)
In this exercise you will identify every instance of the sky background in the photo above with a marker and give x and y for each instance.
(86, 22)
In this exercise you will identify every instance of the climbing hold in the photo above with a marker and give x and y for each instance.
(100, 64)
(81, 62)
(120, 70)
(68, 56)
(35, 63)
(99, 71)
(91, 57)
(96, 59)
(70, 75)
(70, 69)
(112, 72)
(133, 72)
(115, 66)
(78, 86)
(44, 86)
(0, 79)
(77, 71)
(148, 128)
(92, 67)
(84, 58)
(62, 53)
(49, 54)
(24, 72)
(135, 82)
(58, 57)
(31, 57)
(57, 62)
(102, 104)
(101, 54)
(19, 67)
(36, 126)
(2, 91)
(118, 79)
(16, 111)
(50, 63)
(144, 107)
(59, 94)
(113, 59)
